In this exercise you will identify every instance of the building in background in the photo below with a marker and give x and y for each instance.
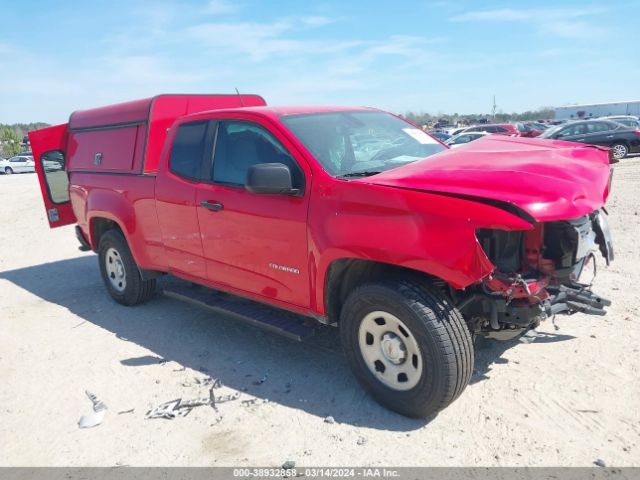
(576, 112)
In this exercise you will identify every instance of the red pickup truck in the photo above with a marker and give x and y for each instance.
(349, 217)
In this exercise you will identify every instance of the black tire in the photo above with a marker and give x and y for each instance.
(8, 171)
(136, 290)
(622, 147)
(439, 330)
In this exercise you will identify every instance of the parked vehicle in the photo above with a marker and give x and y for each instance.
(443, 137)
(627, 120)
(499, 128)
(464, 138)
(455, 131)
(17, 164)
(409, 248)
(621, 139)
(536, 126)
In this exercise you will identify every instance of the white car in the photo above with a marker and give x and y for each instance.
(18, 164)
(464, 138)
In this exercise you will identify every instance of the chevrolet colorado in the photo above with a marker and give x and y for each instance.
(349, 217)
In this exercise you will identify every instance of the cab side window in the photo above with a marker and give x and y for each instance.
(239, 145)
(187, 149)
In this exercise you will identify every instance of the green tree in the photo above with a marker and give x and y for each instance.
(10, 142)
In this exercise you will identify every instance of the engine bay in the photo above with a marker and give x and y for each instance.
(539, 273)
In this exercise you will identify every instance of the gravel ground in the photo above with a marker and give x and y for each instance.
(569, 398)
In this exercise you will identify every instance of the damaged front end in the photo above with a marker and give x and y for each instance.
(539, 273)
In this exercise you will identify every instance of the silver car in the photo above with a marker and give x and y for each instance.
(18, 164)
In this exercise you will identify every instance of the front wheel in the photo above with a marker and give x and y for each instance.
(407, 345)
(120, 273)
(620, 151)
(8, 170)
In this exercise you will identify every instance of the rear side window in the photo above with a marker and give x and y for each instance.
(53, 167)
(187, 150)
(596, 127)
(239, 145)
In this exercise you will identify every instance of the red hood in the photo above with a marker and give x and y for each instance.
(550, 180)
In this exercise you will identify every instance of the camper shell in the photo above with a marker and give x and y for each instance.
(128, 137)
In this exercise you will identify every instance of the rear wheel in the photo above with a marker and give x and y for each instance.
(8, 170)
(408, 346)
(620, 150)
(120, 273)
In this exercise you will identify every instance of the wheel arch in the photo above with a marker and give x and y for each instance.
(98, 226)
(345, 274)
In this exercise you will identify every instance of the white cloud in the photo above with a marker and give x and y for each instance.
(573, 30)
(221, 7)
(262, 41)
(534, 14)
(561, 22)
(317, 21)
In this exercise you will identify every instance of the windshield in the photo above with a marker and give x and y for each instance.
(357, 143)
(550, 132)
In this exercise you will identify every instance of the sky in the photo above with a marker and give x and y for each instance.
(421, 56)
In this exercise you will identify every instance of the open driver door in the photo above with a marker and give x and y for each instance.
(49, 152)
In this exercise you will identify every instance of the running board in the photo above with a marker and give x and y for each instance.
(283, 322)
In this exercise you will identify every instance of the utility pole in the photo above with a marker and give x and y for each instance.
(493, 110)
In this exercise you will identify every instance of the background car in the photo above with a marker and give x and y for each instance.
(443, 137)
(499, 128)
(464, 138)
(626, 120)
(455, 131)
(621, 139)
(537, 126)
(527, 130)
(18, 164)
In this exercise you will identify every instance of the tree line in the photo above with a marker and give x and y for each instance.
(499, 117)
(12, 137)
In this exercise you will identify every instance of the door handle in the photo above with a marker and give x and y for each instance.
(216, 207)
(610, 136)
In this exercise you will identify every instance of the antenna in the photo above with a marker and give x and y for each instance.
(240, 97)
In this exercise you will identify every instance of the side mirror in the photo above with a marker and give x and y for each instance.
(270, 178)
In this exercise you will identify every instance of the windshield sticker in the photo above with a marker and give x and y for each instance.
(420, 136)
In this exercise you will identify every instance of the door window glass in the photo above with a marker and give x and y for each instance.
(239, 145)
(187, 150)
(56, 179)
(596, 127)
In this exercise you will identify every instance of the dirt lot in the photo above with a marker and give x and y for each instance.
(569, 398)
